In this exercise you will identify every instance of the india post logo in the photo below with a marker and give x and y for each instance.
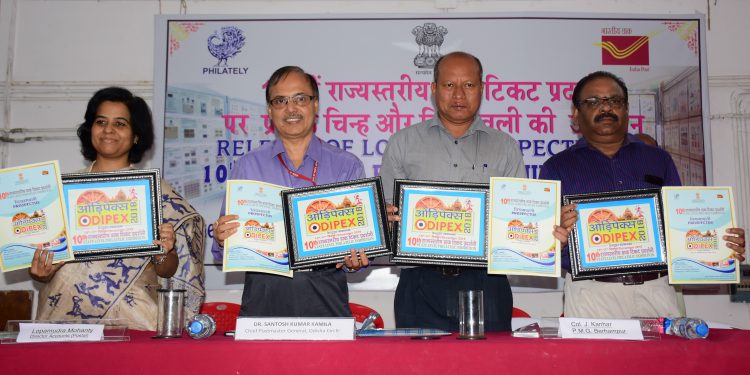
(624, 50)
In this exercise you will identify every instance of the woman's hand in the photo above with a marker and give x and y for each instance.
(167, 237)
(42, 269)
(166, 263)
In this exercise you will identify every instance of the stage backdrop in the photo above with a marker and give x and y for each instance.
(374, 74)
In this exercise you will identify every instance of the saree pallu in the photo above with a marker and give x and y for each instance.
(127, 288)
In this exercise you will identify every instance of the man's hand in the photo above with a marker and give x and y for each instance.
(224, 227)
(568, 218)
(354, 261)
(392, 213)
(736, 241)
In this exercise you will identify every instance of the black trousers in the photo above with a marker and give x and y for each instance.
(425, 298)
(321, 293)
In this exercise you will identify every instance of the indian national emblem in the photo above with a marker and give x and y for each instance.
(226, 43)
(429, 37)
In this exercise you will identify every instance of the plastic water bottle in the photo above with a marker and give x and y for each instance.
(201, 326)
(689, 328)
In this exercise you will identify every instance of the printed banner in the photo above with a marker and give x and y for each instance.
(374, 76)
(695, 220)
(523, 214)
(260, 243)
(31, 215)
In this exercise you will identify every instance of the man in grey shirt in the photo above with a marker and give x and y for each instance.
(454, 146)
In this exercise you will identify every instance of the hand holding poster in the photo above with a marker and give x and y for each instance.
(695, 219)
(31, 215)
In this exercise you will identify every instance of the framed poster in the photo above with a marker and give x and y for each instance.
(617, 233)
(113, 214)
(324, 223)
(442, 223)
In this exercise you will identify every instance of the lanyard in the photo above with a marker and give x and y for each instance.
(299, 175)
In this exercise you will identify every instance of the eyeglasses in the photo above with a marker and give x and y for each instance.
(595, 102)
(301, 100)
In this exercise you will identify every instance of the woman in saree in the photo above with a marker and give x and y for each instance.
(117, 131)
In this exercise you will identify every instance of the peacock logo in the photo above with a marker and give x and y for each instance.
(226, 43)
(624, 49)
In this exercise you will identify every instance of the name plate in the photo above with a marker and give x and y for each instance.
(45, 332)
(611, 329)
(294, 329)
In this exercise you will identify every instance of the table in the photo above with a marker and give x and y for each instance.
(724, 352)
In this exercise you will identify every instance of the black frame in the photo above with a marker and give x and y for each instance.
(297, 258)
(578, 269)
(400, 256)
(154, 215)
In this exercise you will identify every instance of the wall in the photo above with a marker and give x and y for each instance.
(55, 54)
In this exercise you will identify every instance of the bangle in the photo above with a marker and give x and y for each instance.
(157, 261)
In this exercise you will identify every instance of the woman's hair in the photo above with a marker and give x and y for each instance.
(140, 121)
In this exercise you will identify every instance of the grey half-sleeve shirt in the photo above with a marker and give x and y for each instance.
(426, 151)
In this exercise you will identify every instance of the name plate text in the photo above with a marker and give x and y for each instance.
(612, 329)
(294, 329)
(45, 332)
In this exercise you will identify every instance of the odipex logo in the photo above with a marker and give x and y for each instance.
(225, 44)
(429, 38)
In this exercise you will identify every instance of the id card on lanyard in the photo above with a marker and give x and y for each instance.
(300, 175)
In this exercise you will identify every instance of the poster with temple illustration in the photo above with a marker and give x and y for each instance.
(617, 233)
(442, 223)
(326, 222)
(31, 215)
(113, 214)
(695, 220)
(260, 242)
(523, 213)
